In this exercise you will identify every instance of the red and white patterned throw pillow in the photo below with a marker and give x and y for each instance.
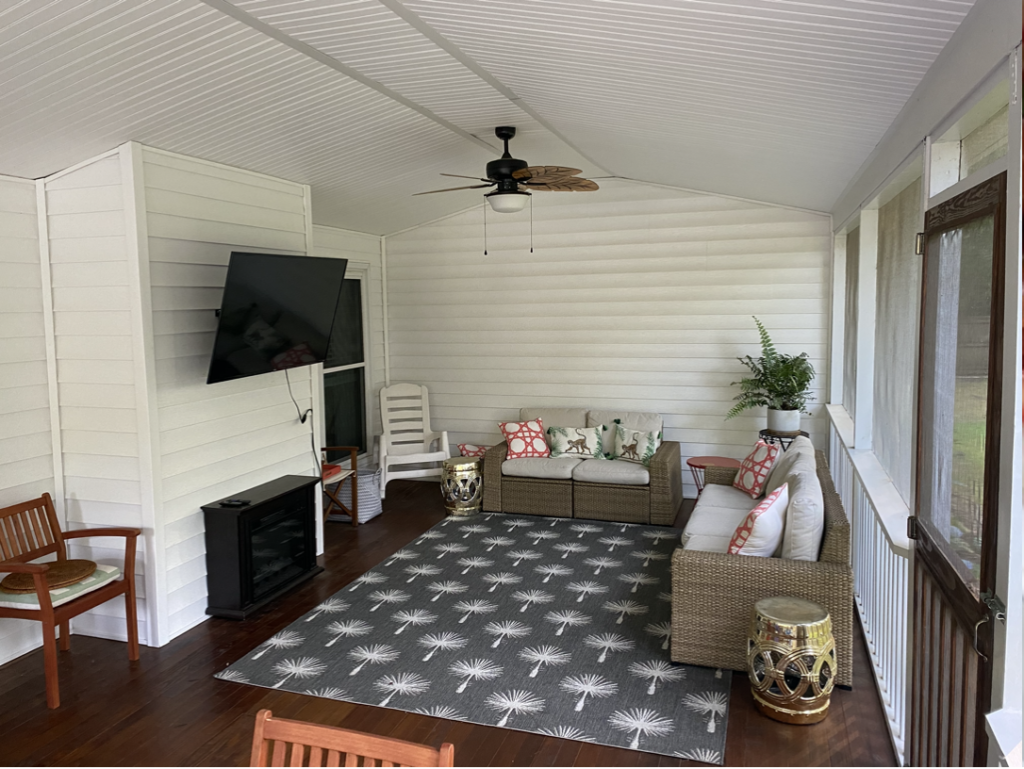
(754, 469)
(525, 439)
(472, 450)
(760, 533)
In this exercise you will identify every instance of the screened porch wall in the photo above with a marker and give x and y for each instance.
(897, 317)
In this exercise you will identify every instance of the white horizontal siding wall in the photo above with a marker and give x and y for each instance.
(636, 297)
(97, 379)
(362, 251)
(26, 442)
(214, 440)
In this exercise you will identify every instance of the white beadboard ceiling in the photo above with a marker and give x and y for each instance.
(369, 100)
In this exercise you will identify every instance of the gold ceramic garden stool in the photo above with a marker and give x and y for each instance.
(791, 659)
(462, 485)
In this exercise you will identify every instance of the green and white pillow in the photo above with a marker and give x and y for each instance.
(61, 595)
(581, 442)
(634, 445)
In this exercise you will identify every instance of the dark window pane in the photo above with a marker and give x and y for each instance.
(344, 408)
(346, 345)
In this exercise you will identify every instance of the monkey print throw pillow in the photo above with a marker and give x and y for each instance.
(582, 442)
(635, 445)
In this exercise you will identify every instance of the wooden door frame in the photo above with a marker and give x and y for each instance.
(988, 197)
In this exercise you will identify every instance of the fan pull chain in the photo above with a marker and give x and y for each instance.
(485, 227)
(531, 224)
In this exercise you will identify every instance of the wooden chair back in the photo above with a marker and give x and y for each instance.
(30, 530)
(280, 742)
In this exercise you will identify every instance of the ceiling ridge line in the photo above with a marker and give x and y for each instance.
(446, 45)
(707, 193)
(228, 9)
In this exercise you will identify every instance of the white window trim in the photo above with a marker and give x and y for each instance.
(356, 271)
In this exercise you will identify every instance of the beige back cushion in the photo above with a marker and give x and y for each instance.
(805, 516)
(553, 417)
(634, 420)
(800, 448)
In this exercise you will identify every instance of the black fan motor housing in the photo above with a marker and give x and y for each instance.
(501, 171)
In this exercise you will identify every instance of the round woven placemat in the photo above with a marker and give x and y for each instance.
(61, 574)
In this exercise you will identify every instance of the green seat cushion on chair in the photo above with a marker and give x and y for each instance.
(60, 595)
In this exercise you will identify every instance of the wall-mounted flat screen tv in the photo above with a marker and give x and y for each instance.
(277, 313)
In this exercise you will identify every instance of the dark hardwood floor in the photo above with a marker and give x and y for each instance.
(167, 709)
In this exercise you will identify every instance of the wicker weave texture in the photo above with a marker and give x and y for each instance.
(657, 503)
(534, 496)
(492, 477)
(721, 475)
(713, 594)
(607, 502)
(666, 483)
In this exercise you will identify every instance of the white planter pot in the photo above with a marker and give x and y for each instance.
(783, 421)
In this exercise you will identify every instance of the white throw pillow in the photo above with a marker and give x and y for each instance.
(805, 517)
(582, 442)
(635, 445)
(761, 531)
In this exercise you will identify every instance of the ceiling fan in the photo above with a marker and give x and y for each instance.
(515, 179)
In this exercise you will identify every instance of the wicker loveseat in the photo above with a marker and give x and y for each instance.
(655, 502)
(713, 594)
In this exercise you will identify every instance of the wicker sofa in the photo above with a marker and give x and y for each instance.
(713, 594)
(656, 502)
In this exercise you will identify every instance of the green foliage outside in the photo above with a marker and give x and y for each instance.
(777, 381)
(969, 432)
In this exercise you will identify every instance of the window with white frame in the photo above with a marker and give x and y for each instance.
(345, 370)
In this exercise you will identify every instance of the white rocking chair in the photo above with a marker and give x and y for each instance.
(407, 438)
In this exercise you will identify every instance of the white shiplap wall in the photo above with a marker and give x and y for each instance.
(363, 253)
(98, 381)
(636, 297)
(214, 440)
(26, 444)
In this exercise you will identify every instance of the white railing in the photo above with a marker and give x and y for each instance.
(880, 553)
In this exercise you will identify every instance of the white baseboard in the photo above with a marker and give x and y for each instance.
(20, 640)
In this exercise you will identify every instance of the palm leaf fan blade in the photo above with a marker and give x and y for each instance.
(453, 189)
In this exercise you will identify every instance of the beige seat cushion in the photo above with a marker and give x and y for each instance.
(634, 420)
(549, 468)
(612, 471)
(715, 517)
(555, 417)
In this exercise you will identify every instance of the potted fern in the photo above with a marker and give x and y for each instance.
(780, 382)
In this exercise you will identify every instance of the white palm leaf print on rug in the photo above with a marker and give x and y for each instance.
(546, 625)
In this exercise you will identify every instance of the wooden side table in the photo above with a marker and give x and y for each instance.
(697, 465)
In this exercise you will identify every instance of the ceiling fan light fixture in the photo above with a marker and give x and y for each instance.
(507, 202)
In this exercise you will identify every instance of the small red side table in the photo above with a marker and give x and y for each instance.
(697, 465)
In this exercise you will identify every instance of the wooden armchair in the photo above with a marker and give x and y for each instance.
(331, 474)
(30, 530)
(279, 742)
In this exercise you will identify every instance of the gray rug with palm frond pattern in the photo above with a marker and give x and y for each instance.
(548, 625)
